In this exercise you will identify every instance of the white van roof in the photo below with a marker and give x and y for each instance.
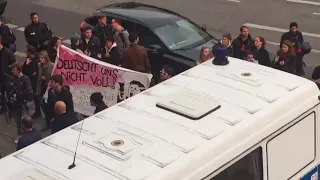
(218, 106)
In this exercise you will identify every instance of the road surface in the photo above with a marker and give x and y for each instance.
(265, 18)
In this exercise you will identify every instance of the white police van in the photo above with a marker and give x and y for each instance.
(241, 121)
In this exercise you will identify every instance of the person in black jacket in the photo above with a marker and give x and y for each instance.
(285, 59)
(63, 118)
(102, 30)
(21, 93)
(89, 44)
(37, 34)
(111, 52)
(96, 100)
(57, 92)
(30, 135)
(8, 38)
(260, 52)
(6, 59)
(226, 41)
(30, 66)
(296, 39)
(242, 43)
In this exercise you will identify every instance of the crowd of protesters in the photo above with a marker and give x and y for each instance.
(289, 57)
(111, 43)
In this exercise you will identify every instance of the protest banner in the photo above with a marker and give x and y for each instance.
(85, 75)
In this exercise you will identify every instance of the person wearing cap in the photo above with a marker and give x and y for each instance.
(296, 39)
(96, 100)
(226, 41)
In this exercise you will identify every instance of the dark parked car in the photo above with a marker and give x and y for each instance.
(168, 37)
(3, 4)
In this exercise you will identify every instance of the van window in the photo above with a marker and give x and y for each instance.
(249, 167)
(146, 37)
(295, 146)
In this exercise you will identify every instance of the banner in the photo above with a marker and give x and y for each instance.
(85, 75)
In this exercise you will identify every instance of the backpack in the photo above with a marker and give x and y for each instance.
(306, 47)
(122, 38)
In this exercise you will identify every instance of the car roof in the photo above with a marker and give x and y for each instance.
(150, 15)
(164, 145)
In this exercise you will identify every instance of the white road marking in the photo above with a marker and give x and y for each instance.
(11, 26)
(67, 41)
(20, 29)
(20, 54)
(233, 1)
(257, 26)
(305, 2)
(278, 44)
(317, 14)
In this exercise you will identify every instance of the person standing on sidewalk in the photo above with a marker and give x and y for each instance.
(296, 39)
(242, 43)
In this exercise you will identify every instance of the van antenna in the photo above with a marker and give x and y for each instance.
(75, 152)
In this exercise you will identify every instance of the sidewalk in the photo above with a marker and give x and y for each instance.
(8, 133)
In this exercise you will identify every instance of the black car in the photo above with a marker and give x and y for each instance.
(3, 4)
(169, 38)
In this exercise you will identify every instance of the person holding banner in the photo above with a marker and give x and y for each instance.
(57, 92)
(90, 45)
(111, 52)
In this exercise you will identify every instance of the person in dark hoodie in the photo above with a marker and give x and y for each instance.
(63, 118)
(111, 52)
(242, 43)
(102, 30)
(285, 59)
(226, 41)
(57, 92)
(37, 34)
(296, 38)
(96, 100)
(260, 52)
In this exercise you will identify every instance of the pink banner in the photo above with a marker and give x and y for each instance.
(85, 75)
(77, 70)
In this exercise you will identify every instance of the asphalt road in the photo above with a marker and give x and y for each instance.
(220, 16)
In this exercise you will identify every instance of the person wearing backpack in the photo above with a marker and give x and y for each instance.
(120, 35)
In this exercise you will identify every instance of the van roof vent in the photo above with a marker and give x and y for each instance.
(189, 104)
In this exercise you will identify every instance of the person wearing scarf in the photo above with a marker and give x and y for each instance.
(285, 59)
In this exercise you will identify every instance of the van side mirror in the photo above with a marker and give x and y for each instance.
(204, 28)
(154, 48)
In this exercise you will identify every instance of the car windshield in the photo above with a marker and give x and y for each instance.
(181, 34)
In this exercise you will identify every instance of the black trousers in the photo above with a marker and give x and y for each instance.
(299, 64)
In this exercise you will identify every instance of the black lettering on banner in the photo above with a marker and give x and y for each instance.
(73, 76)
(103, 81)
(76, 65)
